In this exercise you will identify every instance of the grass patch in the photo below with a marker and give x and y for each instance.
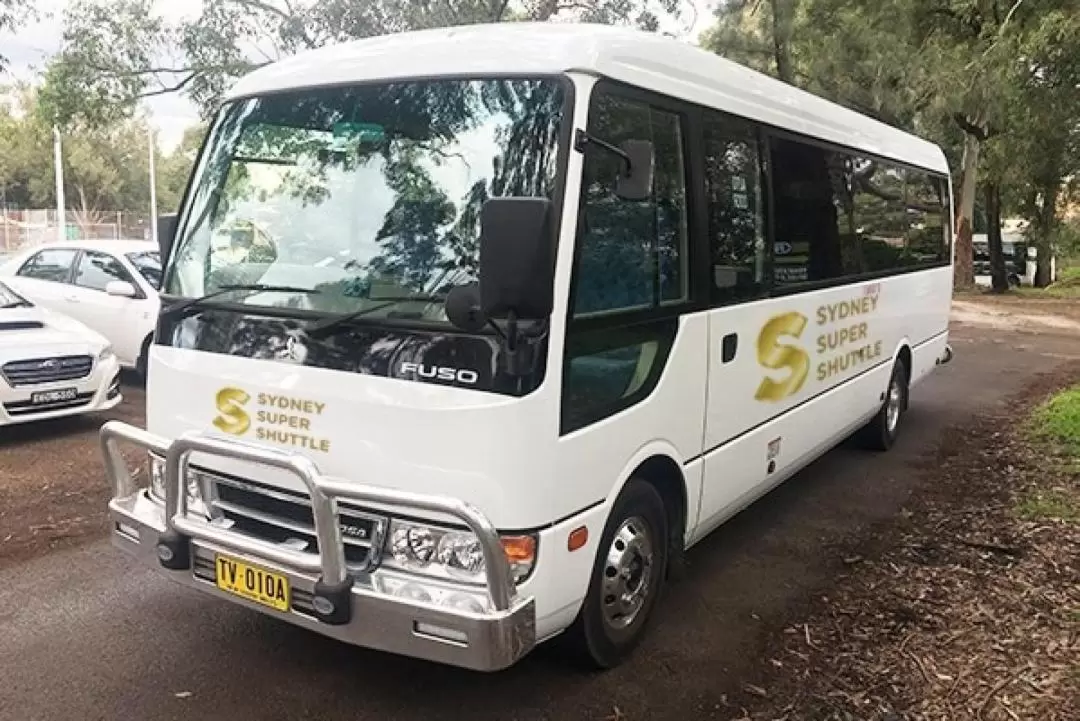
(1056, 425)
(1058, 420)
(1042, 505)
(1059, 290)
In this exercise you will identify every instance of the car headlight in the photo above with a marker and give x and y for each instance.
(157, 483)
(453, 554)
(106, 354)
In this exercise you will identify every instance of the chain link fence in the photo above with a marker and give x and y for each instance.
(28, 228)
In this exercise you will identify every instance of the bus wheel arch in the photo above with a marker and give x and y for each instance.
(664, 474)
(904, 356)
(882, 430)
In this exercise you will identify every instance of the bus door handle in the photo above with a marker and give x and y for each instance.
(728, 347)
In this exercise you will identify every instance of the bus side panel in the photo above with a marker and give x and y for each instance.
(797, 439)
(793, 349)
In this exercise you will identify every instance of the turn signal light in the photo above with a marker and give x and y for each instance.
(519, 549)
(578, 538)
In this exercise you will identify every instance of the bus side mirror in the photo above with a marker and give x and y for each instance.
(637, 183)
(166, 230)
(517, 258)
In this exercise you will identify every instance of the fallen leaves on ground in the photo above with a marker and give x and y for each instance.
(967, 608)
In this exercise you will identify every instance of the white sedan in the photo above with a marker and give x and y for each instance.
(51, 365)
(111, 286)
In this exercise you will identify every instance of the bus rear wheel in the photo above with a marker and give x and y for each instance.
(884, 428)
(626, 581)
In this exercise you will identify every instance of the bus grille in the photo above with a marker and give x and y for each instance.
(47, 370)
(284, 516)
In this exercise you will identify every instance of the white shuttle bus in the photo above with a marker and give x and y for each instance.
(468, 334)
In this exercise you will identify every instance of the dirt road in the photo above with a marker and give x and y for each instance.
(86, 634)
(52, 489)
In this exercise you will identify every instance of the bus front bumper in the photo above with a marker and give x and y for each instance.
(376, 608)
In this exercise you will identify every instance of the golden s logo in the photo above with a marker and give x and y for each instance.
(233, 418)
(778, 356)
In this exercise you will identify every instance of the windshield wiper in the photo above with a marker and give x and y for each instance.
(338, 321)
(223, 290)
(16, 304)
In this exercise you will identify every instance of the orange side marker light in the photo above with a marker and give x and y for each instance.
(578, 538)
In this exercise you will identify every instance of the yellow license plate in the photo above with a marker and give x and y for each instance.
(251, 582)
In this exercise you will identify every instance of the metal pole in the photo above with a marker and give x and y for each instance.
(58, 161)
(153, 189)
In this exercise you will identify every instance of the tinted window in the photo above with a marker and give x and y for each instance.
(53, 264)
(808, 242)
(841, 216)
(611, 369)
(879, 216)
(149, 266)
(632, 254)
(928, 217)
(97, 270)
(733, 194)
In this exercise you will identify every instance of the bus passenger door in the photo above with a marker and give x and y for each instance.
(737, 275)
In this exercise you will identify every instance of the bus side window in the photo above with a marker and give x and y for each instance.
(927, 207)
(631, 254)
(734, 209)
(810, 225)
(631, 257)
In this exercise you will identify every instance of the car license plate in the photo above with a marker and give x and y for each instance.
(251, 582)
(58, 396)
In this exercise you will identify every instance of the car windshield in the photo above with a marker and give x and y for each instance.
(148, 263)
(11, 299)
(369, 194)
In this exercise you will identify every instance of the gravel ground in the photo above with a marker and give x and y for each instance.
(967, 606)
(52, 484)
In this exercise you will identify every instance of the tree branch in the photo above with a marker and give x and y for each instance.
(980, 133)
(286, 15)
(166, 89)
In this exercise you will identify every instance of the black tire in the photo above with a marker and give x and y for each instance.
(884, 428)
(595, 639)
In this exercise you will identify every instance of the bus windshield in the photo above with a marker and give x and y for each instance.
(369, 195)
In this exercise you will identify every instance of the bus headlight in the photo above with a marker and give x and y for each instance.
(157, 483)
(157, 477)
(454, 554)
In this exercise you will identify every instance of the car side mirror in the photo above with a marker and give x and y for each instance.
(517, 258)
(637, 182)
(166, 231)
(121, 289)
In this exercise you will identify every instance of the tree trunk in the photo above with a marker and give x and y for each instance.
(1044, 239)
(781, 34)
(964, 271)
(998, 277)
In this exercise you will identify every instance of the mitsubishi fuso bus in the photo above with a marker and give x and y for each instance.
(468, 334)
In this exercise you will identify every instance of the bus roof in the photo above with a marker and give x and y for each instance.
(654, 62)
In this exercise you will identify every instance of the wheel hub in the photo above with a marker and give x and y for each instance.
(892, 407)
(627, 574)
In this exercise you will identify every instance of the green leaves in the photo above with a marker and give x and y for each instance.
(118, 51)
(105, 168)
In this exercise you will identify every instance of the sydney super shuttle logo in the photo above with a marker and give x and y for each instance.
(843, 341)
(275, 418)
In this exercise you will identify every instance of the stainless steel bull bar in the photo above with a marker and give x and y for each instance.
(332, 590)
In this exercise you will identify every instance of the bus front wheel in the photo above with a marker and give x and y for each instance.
(883, 429)
(626, 580)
